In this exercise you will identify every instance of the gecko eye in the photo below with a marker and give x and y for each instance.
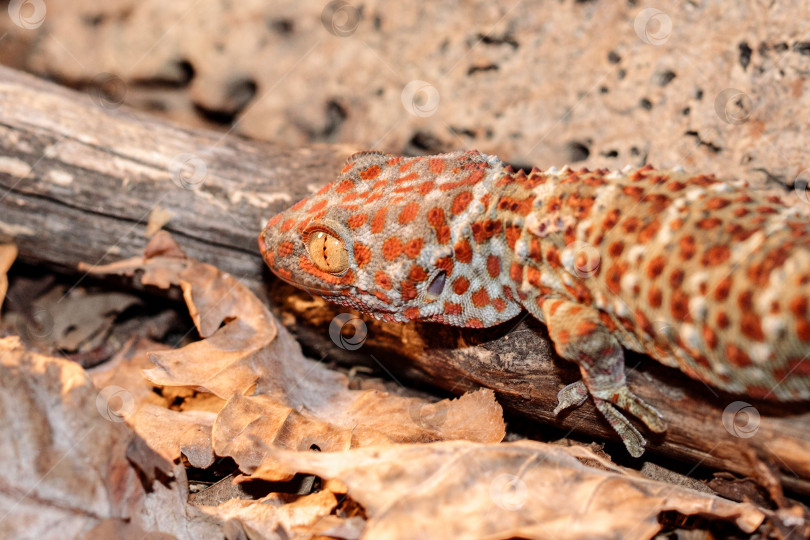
(328, 252)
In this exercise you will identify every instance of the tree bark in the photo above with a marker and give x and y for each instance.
(79, 182)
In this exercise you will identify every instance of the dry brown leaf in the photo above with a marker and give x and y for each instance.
(523, 489)
(264, 516)
(351, 419)
(224, 363)
(64, 460)
(8, 253)
(76, 320)
(171, 433)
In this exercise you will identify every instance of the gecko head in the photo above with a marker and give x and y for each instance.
(385, 238)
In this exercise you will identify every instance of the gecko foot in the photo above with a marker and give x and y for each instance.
(572, 395)
(609, 403)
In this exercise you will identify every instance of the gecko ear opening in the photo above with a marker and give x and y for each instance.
(436, 285)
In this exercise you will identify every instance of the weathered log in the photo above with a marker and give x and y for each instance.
(78, 182)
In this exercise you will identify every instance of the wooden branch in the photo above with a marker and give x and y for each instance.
(79, 182)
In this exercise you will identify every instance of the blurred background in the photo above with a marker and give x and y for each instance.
(711, 86)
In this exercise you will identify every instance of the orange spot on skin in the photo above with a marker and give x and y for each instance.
(375, 197)
(362, 255)
(382, 280)
(655, 297)
(425, 188)
(499, 304)
(344, 187)
(408, 213)
(648, 232)
(631, 224)
(613, 276)
(461, 202)
(285, 249)
(480, 298)
(688, 247)
(404, 180)
(716, 203)
(516, 273)
(553, 258)
(417, 274)
(634, 192)
(299, 205)
(676, 278)
(512, 235)
(414, 247)
(378, 222)
(643, 323)
(715, 256)
(736, 356)
(803, 329)
(318, 206)
(274, 221)
(709, 223)
(347, 167)
(710, 337)
(656, 266)
(493, 266)
(408, 290)
(382, 297)
(436, 165)
(357, 220)
(460, 285)
(451, 308)
(585, 329)
(723, 322)
(611, 219)
(411, 313)
(463, 251)
(751, 327)
(798, 306)
(723, 288)
(371, 173)
(615, 248)
(474, 323)
(287, 225)
(445, 264)
(392, 248)
(679, 305)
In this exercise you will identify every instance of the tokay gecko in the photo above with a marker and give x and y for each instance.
(708, 276)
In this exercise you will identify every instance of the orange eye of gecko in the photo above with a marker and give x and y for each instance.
(328, 252)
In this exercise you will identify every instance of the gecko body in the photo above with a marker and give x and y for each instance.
(708, 276)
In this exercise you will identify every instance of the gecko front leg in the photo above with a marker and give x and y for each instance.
(580, 336)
